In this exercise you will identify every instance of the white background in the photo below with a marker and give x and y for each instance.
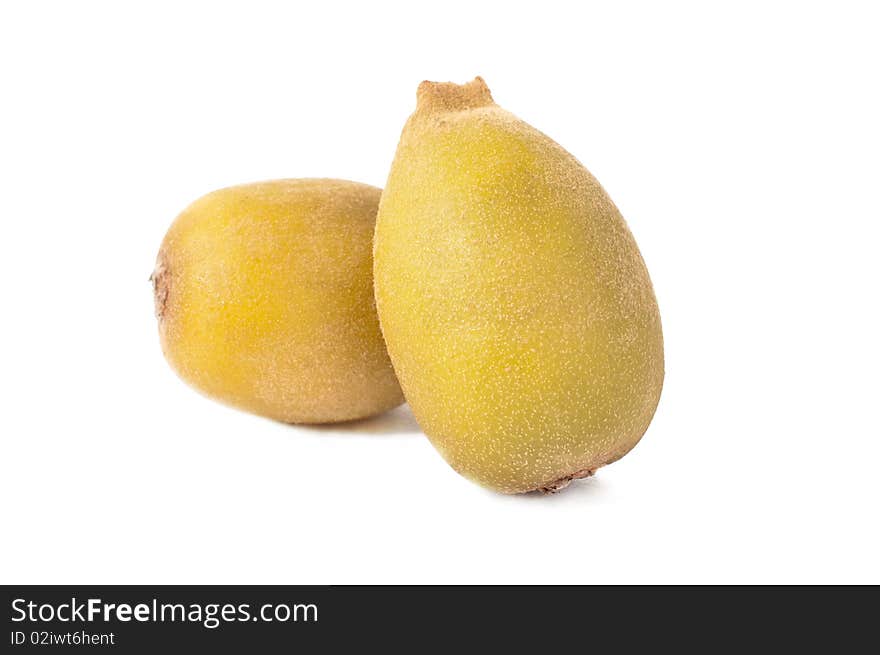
(741, 144)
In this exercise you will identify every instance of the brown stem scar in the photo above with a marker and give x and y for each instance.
(161, 279)
(437, 97)
(560, 484)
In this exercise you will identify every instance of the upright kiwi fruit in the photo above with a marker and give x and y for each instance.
(514, 302)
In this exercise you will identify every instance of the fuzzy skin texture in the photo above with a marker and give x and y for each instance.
(264, 297)
(514, 302)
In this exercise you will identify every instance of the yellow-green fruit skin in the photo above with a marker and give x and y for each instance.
(265, 300)
(514, 302)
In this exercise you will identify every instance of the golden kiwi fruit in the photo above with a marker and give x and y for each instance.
(264, 299)
(514, 302)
